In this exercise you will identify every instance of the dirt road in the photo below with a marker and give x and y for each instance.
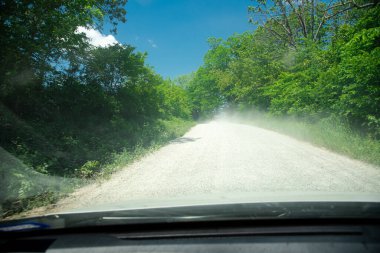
(221, 157)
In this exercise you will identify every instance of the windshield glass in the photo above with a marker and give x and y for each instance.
(112, 105)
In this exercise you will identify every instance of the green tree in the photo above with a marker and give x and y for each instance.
(37, 34)
(292, 21)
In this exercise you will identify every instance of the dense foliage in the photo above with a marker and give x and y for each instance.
(335, 74)
(67, 107)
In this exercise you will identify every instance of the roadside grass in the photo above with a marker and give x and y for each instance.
(330, 133)
(26, 189)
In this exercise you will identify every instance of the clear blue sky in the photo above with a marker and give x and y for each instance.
(174, 32)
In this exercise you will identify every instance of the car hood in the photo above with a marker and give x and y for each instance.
(230, 198)
(256, 206)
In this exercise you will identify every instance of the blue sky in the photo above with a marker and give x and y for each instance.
(174, 32)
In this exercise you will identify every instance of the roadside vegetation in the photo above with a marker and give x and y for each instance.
(311, 70)
(330, 133)
(71, 110)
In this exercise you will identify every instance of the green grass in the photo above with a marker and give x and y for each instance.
(330, 133)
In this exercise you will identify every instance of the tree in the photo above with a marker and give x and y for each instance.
(113, 67)
(358, 73)
(175, 101)
(204, 93)
(36, 34)
(290, 21)
(239, 68)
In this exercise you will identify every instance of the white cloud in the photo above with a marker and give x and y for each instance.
(152, 43)
(96, 38)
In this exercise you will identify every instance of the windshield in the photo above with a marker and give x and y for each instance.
(113, 105)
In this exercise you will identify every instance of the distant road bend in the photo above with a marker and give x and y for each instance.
(220, 156)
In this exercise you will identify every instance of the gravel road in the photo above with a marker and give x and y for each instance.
(222, 157)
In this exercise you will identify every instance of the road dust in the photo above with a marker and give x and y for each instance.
(228, 158)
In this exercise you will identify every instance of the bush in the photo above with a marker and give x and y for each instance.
(89, 170)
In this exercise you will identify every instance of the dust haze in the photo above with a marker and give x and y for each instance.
(228, 158)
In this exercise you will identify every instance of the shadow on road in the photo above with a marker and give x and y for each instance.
(184, 140)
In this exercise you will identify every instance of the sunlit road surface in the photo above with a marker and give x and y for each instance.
(221, 157)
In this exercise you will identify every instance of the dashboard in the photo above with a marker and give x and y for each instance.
(237, 236)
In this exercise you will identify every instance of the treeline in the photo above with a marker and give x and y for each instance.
(67, 107)
(309, 60)
(64, 102)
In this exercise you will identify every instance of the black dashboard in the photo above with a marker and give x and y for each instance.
(237, 236)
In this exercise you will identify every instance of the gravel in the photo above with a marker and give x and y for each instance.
(220, 157)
